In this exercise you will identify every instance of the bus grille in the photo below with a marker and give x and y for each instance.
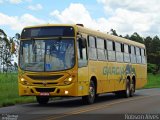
(51, 77)
(48, 83)
(45, 89)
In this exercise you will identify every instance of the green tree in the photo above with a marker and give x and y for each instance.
(136, 37)
(155, 45)
(127, 36)
(148, 42)
(113, 32)
(5, 54)
(154, 53)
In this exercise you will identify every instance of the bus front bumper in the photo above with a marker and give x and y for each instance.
(67, 90)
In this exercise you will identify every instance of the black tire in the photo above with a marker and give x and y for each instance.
(125, 93)
(90, 98)
(42, 100)
(96, 96)
(119, 94)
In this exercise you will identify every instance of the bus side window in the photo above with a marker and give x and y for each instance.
(119, 53)
(92, 52)
(101, 49)
(138, 55)
(111, 50)
(126, 53)
(143, 56)
(92, 42)
(133, 55)
(82, 52)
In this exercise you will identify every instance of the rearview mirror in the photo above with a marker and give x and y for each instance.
(82, 42)
(17, 36)
(13, 49)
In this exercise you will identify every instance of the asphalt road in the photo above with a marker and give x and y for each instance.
(144, 104)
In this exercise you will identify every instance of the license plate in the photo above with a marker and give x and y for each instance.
(44, 94)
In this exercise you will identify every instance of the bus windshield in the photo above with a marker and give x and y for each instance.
(47, 55)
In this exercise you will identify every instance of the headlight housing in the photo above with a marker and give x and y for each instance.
(68, 81)
(23, 81)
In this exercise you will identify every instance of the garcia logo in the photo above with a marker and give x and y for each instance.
(113, 70)
(116, 70)
(122, 71)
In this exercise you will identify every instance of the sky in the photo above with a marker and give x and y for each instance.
(125, 16)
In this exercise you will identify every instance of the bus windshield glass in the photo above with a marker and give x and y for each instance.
(47, 55)
(51, 31)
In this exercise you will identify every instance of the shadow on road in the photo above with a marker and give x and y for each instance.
(77, 102)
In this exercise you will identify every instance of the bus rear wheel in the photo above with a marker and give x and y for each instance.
(42, 100)
(90, 98)
(125, 93)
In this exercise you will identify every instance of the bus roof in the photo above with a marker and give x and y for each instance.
(109, 37)
(47, 25)
(96, 33)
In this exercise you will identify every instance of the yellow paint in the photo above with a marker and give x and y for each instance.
(82, 76)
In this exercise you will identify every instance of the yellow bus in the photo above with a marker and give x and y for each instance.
(71, 60)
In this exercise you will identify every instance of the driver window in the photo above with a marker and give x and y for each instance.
(82, 52)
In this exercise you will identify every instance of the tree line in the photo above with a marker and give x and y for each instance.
(6, 57)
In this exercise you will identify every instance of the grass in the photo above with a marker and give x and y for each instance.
(153, 81)
(9, 90)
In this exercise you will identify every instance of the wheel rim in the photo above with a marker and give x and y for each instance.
(91, 91)
(128, 90)
(132, 89)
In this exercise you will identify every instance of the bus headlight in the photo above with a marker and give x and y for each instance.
(68, 81)
(23, 81)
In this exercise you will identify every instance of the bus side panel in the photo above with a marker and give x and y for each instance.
(119, 76)
(83, 82)
(111, 76)
(96, 70)
(102, 82)
(141, 75)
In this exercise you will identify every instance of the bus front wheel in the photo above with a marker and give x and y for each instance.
(132, 88)
(127, 92)
(90, 98)
(42, 100)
